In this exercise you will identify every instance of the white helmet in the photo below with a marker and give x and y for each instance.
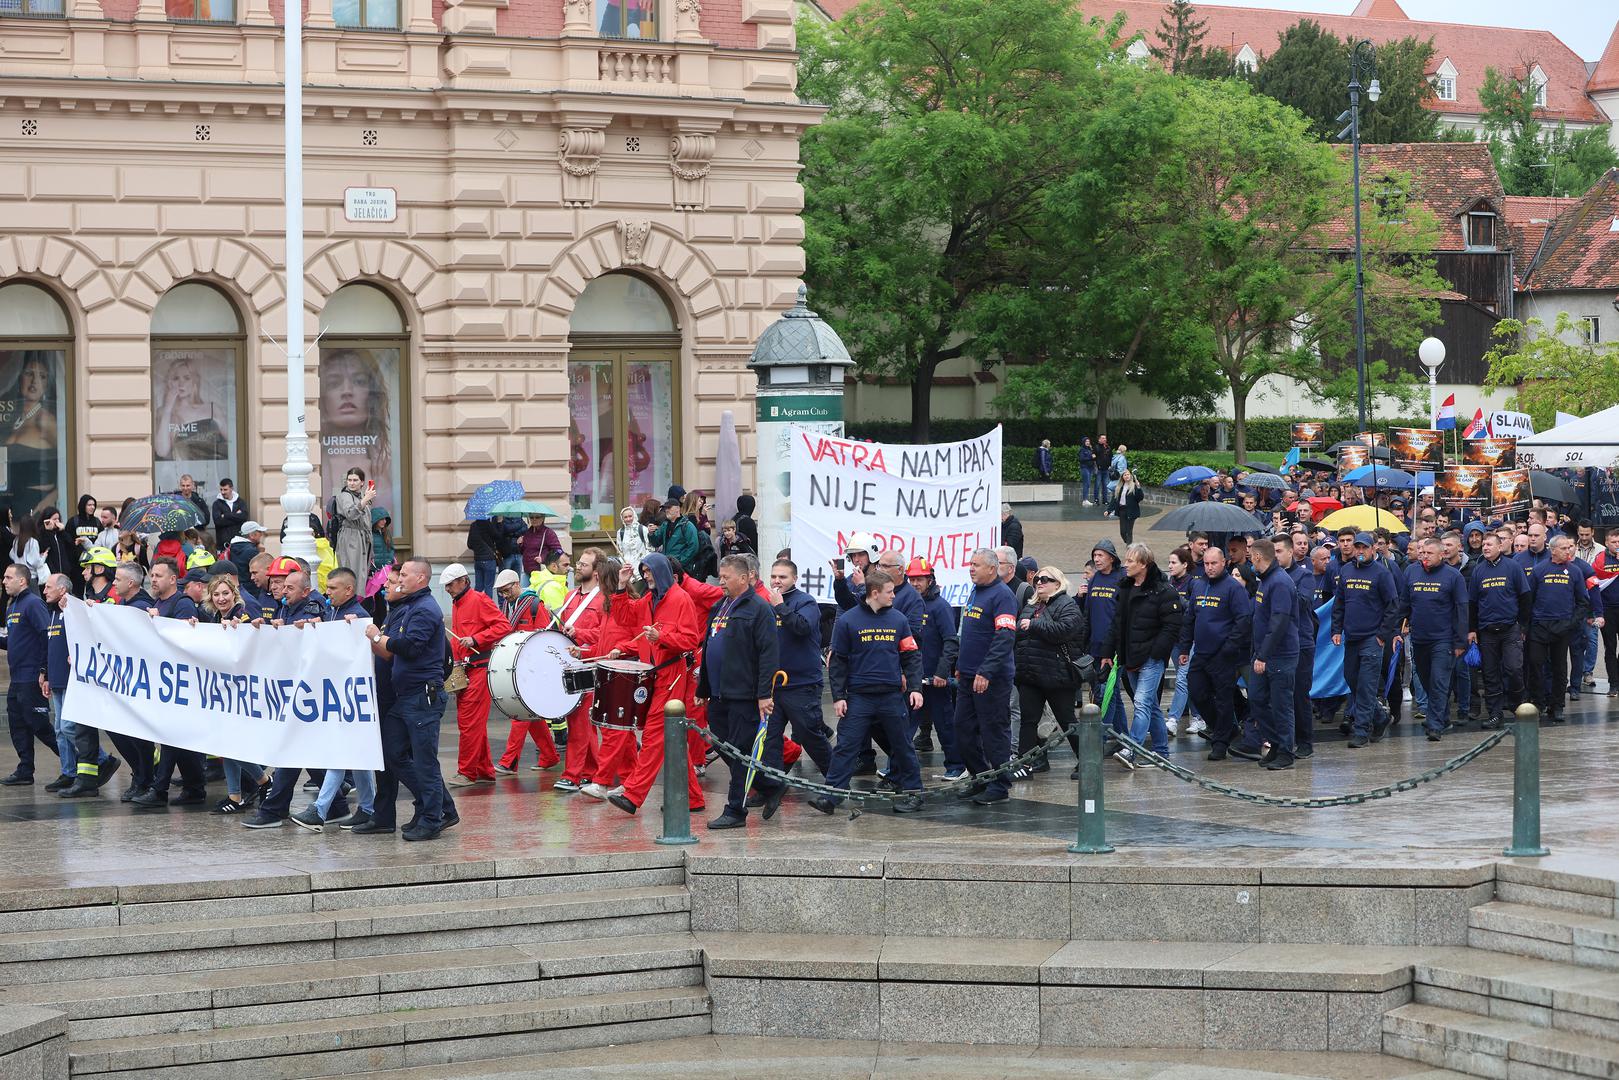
(863, 541)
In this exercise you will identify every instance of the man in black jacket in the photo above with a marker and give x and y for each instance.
(740, 655)
(484, 540)
(1146, 623)
(1011, 530)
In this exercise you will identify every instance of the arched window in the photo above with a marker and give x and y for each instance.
(622, 374)
(36, 344)
(197, 389)
(364, 346)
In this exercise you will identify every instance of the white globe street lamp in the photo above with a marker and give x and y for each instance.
(1432, 354)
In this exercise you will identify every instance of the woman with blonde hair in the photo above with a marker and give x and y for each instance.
(633, 539)
(1127, 499)
(223, 604)
(1051, 632)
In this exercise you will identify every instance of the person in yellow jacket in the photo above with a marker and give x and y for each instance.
(550, 582)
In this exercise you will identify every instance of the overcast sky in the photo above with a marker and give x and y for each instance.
(1583, 25)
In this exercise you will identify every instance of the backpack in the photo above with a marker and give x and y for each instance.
(705, 564)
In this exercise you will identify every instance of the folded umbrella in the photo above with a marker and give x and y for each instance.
(1210, 517)
(1189, 474)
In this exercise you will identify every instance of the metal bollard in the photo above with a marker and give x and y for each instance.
(1526, 784)
(1092, 839)
(676, 801)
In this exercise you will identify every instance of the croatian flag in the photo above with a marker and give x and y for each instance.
(1445, 419)
(1477, 429)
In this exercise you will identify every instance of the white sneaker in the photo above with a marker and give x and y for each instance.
(1172, 725)
(594, 790)
(616, 791)
(1196, 726)
(1087, 502)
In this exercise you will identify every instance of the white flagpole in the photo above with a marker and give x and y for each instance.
(297, 500)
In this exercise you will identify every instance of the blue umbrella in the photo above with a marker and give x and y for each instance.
(1382, 478)
(486, 497)
(1424, 479)
(1189, 474)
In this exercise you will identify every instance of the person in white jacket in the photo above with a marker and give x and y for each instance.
(634, 543)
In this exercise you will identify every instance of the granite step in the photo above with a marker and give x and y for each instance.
(300, 1049)
(198, 1000)
(1490, 1046)
(1542, 992)
(1569, 937)
(316, 935)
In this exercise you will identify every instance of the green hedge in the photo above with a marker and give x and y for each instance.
(1157, 434)
(1152, 467)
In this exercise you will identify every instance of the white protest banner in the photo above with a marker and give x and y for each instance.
(1519, 425)
(939, 501)
(284, 696)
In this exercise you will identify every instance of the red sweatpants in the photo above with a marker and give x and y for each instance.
(615, 759)
(472, 717)
(540, 732)
(582, 750)
(696, 747)
(649, 764)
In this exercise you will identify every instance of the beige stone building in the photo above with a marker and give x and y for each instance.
(542, 238)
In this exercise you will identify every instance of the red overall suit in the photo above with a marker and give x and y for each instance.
(615, 757)
(680, 631)
(527, 613)
(474, 615)
(584, 613)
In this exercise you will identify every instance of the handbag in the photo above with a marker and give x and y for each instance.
(1084, 668)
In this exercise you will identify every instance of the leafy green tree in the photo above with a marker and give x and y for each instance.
(1553, 370)
(1310, 71)
(948, 120)
(1179, 35)
(1211, 63)
(1532, 159)
(1578, 159)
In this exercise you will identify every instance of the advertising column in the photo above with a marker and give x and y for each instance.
(780, 409)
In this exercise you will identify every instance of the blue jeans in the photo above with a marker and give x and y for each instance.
(1113, 717)
(64, 735)
(1148, 719)
(483, 576)
(1090, 483)
(1434, 661)
(240, 773)
(1180, 706)
(1419, 692)
(1583, 656)
(1272, 700)
(1461, 682)
(1363, 671)
(329, 787)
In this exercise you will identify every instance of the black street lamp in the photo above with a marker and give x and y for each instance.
(1361, 60)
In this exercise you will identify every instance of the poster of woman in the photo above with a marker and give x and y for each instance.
(359, 422)
(193, 416)
(32, 464)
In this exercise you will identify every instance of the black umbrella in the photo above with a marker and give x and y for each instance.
(1543, 485)
(1260, 466)
(1315, 464)
(1207, 517)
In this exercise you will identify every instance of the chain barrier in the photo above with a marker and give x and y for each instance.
(745, 759)
(1143, 754)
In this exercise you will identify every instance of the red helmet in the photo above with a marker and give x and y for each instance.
(918, 567)
(283, 566)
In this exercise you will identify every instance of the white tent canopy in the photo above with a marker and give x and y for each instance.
(1589, 442)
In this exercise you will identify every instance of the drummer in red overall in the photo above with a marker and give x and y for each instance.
(672, 631)
(580, 617)
(617, 638)
(476, 624)
(524, 611)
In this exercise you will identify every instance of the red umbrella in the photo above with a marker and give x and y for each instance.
(1321, 506)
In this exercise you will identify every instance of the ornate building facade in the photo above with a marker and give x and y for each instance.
(542, 238)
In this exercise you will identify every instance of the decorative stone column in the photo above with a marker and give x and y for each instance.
(688, 20)
(576, 20)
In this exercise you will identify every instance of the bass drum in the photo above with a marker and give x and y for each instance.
(532, 676)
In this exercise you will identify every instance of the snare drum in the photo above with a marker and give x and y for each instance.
(532, 676)
(623, 695)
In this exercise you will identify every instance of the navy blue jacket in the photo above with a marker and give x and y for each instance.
(1276, 636)
(740, 655)
(57, 671)
(1368, 602)
(909, 603)
(1558, 592)
(311, 608)
(353, 607)
(1499, 593)
(142, 602)
(26, 624)
(988, 632)
(415, 632)
(1100, 599)
(1529, 560)
(1218, 616)
(938, 639)
(1306, 621)
(798, 639)
(177, 606)
(874, 652)
(1436, 603)
(259, 605)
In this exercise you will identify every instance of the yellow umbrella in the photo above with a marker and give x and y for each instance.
(1363, 519)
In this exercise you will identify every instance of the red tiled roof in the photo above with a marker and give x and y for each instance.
(1449, 179)
(1528, 217)
(1379, 9)
(1606, 74)
(1581, 249)
(1470, 49)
